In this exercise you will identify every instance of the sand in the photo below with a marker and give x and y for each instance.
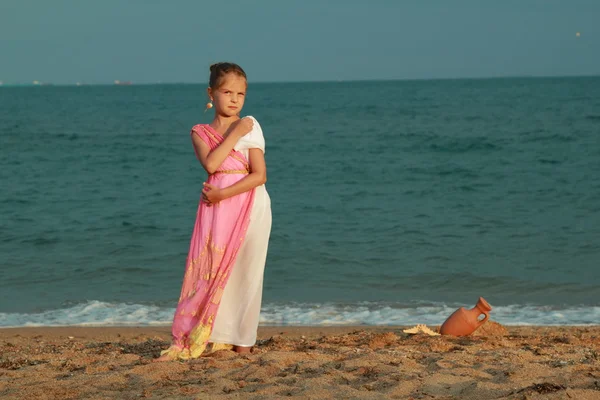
(305, 362)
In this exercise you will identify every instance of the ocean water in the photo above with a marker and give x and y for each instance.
(393, 203)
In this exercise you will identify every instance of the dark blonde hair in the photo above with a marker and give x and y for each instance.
(219, 70)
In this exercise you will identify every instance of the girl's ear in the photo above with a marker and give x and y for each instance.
(209, 92)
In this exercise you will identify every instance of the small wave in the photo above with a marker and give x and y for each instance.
(98, 313)
(42, 240)
(15, 201)
(548, 161)
(464, 146)
(555, 138)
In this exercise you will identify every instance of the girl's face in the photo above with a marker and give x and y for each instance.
(229, 98)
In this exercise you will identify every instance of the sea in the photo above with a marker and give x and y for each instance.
(394, 202)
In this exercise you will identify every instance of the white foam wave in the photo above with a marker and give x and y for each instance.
(92, 313)
(434, 314)
(98, 313)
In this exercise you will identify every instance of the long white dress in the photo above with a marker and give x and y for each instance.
(237, 319)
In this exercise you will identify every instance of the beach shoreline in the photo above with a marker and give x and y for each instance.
(366, 362)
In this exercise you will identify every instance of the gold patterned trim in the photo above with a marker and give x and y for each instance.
(209, 133)
(240, 159)
(231, 153)
(232, 171)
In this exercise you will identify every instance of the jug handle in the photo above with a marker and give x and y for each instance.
(483, 320)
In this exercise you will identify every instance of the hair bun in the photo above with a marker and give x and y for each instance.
(220, 69)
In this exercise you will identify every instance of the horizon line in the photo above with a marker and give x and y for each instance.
(132, 83)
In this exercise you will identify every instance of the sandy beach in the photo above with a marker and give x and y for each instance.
(305, 362)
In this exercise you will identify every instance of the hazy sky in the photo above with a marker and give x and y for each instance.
(96, 41)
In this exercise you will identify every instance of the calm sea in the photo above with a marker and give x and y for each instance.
(393, 202)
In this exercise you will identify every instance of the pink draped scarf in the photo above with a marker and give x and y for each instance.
(218, 235)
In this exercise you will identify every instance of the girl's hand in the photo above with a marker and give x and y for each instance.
(211, 194)
(242, 127)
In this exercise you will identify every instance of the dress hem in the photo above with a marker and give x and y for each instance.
(213, 340)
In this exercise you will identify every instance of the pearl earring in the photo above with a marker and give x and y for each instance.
(209, 105)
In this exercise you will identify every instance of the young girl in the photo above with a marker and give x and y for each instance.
(222, 287)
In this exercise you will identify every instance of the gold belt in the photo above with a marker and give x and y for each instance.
(231, 171)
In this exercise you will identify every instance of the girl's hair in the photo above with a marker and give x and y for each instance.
(219, 70)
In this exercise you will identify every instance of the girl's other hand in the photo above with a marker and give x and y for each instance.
(211, 194)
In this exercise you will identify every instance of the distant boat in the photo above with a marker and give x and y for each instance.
(123, 83)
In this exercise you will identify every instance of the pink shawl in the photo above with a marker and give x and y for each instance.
(218, 234)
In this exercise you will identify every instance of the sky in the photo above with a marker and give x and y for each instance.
(172, 41)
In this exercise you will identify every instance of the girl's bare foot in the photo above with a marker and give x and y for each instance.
(242, 349)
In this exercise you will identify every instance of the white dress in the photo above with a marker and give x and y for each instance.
(237, 319)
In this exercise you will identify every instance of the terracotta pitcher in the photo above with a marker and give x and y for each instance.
(464, 322)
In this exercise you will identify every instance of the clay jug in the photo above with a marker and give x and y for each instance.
(463, 322)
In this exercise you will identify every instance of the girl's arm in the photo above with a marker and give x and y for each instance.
(211, 160)
(257, 176)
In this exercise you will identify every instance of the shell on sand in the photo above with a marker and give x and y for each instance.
(420, 328)
(490, 328)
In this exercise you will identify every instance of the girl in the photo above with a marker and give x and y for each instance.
(225, 264)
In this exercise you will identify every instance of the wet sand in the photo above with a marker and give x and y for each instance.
(305, 362)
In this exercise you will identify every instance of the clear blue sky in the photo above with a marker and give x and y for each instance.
(145, 41)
